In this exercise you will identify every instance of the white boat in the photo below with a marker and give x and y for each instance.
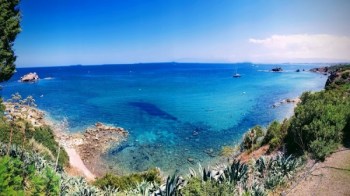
(236, 75)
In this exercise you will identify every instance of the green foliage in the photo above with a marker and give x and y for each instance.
(275, 134)
(130, 181)
(43, 135)
(236, 172)
(172, 186)
(252, 138)
(319, 122)
(9, 28)
(345, 75)
(2, 108)
(195, 187)
(227, 151)
(10, 176)
(274, 172)
(20, 177)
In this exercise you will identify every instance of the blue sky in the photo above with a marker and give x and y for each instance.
(67, 32)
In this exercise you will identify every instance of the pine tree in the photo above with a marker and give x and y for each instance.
(9, 28)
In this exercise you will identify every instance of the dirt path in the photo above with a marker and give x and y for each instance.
(331, 177)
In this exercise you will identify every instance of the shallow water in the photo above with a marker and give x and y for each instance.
(173, 111)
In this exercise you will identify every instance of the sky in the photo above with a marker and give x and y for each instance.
(87, 32)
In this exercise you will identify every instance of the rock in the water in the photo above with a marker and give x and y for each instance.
(190, 160)
(30, 77)
(277, 69)
(320, 70)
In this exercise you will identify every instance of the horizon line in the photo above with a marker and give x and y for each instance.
(175, 62)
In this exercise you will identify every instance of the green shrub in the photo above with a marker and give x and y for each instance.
(130, 181)
(275, 134)
(10, 176)
(319, 123)
(195, 187)
(252, 138)
(227, 151)
(345, 75)
(273, 131)
(18, 178)
(43, 135)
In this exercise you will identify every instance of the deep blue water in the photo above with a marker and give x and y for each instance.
(173, 111)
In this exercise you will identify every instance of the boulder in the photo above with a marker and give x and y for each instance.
(30, 77)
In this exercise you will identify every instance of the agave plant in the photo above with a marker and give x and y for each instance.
(15, 151)
(109, 191)
(273, 180)
(144, 189)
(236, 172)
(258, 190)
(172, 186)
(284, 165)
(65, 185)
(206, 174)
(3, 149)
(39, 162)
(279, 168)
(86, 191)
(260, 166)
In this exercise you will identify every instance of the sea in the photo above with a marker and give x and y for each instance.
(174, 112)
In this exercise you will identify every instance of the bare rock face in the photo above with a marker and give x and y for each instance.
(30, 77)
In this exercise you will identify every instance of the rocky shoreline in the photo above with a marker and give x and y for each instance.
(285, 101)
(85, 149)
(91, 145)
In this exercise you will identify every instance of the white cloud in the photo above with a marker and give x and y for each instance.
(303, 46)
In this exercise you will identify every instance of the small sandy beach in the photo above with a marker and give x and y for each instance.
(84, 149)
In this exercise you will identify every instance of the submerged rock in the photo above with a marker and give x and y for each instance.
(190, 160)
(30, 77)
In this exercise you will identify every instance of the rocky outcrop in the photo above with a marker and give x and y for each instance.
(92, 144)
(284, 101)
(30, 77)
(338, 75)
(322, 70)
(331, 78)
(97, 140)
(277, 69)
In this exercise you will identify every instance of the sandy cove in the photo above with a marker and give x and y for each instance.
(87, 147)
(84, 149)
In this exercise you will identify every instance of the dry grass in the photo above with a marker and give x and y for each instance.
(38, 147)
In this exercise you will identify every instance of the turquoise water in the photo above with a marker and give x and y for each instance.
(173, 111)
